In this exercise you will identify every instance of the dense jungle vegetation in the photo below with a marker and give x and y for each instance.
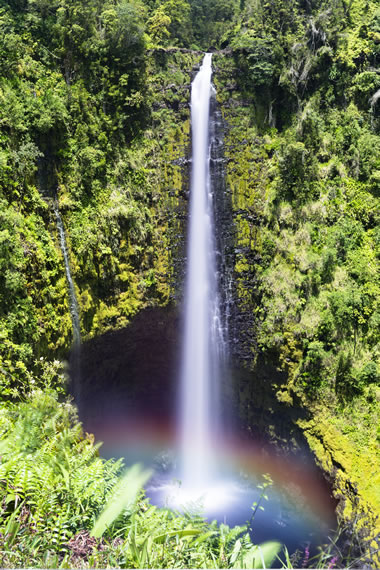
(301, 98)
(94, 119)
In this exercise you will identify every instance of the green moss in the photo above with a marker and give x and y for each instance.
(123, 238)
(354, 470)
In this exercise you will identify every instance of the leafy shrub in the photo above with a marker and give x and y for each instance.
(313, 365)
(298, 171)
(369, 374)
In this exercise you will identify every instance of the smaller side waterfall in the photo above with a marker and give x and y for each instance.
(74, 307)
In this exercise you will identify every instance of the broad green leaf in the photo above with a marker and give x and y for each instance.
(123, 497)
(257, 556)
(205, 536)
(180, 533)
(263, 555)
(236, 551)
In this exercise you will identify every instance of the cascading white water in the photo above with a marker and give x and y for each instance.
(203, 336)
(209, 479)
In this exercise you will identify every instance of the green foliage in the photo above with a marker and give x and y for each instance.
(302, 150)
(212, 20)
(180, 27)
(256, 556)
(369, 374)
(257, 59)
(190, 24)
(88, 116)
(76, 126)
(51, 471)
(364, 87)
(158, 26)
(28, 292)
(317, 285)
(297, 170)
(123, 498)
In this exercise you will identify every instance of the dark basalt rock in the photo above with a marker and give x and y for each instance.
(132, 372)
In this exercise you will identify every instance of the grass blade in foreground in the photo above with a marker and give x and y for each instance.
(124, 495)
(256, 556)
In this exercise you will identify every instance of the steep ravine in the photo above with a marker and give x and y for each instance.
(259, 391)
(237, 166)
(95, 144)
(257, 382)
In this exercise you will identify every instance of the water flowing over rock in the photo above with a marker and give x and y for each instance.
(204, 334)
(74, 307)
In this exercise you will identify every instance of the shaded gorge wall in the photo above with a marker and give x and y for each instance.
(133, 372)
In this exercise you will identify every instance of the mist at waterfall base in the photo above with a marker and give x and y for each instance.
(299, 511)
(199, 465)
(127, 402)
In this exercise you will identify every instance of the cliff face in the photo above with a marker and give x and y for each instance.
(280, 286)
(96, 123)
(112, 156)
(136, 225)
(300, 237)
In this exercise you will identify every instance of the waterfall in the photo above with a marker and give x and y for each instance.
(203, 334)
(74, 308)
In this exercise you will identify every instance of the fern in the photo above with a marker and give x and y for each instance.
(49, 466)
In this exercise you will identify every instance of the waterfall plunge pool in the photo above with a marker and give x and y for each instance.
(206, 469)
(273, 508)
(129, 381)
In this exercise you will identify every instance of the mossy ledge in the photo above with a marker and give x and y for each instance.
(355, 476)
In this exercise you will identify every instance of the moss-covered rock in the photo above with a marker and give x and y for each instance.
(305, 288)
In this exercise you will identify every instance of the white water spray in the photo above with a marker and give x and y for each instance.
(203, 338)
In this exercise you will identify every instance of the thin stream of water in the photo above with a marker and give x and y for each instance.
(74, 307)
(74, 312)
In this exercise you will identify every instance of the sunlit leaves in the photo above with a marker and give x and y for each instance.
(124, 495)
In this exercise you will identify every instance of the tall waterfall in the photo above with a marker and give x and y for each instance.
(203, 337)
